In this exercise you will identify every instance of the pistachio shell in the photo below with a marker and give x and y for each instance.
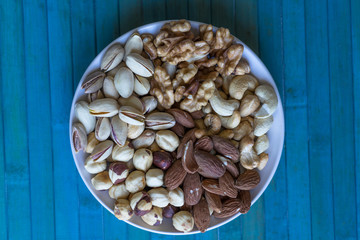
(134, 44)
(135, 130)
(131, 115)
(79, 137)
(102, 151)
(132, 101)
(124, 82)
(105, 107)
(95, 95)
(93, 82)
(102, 129)
(118, 130)
(142, 85)
(109, 88)
(150, 104)
(112, 57)
(159, 120)
(139, 65)
(83, 115)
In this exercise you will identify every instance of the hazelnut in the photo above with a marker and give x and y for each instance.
(122, 209)
(102, 181)
(169, 211)
(143, 159)
(167, 140)
(118, 191)
(154, 217)
(154, 178)
(124, 153)
(159, 197)
(162, 160)
(94, 167)
(176, 197)
(118, 172)
(183, 221)
(135, 182)
(140, 202)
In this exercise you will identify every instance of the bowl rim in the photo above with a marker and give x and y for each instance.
(277, 158)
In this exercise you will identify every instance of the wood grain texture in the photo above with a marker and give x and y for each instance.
(319, 134)
(41, 165)
(342, 107)
(13, 95)
(355, 33)
(61, 91)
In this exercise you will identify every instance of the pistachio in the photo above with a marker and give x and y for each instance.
(102, 129)
(112, 57)
(109, 88)
(106, 107)
(134, 44)
(142, 85)
(91, 142)
(150, 104)
(124, 82)
(94, 167)
(83, 115)
(159, 120)
(135, 131)
(79, 137)
(93, 82)
(95, 95)
(132, 101)
(139, 65)
(102, 150)
(113, 72)
(131, 115)
(118, 130)
(144, 140)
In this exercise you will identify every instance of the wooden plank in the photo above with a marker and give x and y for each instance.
(246, 23)
(271, 53)
(296, 135)
(202, 16)
(61, 89)
(342, 107)
(38, 91)
(107, 22)
(131, 14)
(176, 9)
(317, 54)
(15, 123)
(355, 33)
(83, 52)
(223, 14)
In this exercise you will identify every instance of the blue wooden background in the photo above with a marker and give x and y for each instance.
(312, 49)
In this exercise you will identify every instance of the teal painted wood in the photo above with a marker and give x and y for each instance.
(15, 123)
(355, 33)
(40, 155)
(296, 134)
(218, 18)
(176, 9)
(61, 90)
(83, 51)
(322, 218)
(342, 107)
(271, 53)
(130, 15)
(194, 11)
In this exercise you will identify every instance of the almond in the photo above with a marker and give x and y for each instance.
(245, 201)
(213, 201)
(247, 180)
(197, 114)
(209, 165)
(212, 186)
(182, 117)
(226, 183)
(226, 148)
(204, 143)
(230, 166)
(190, 135)
(192, 189)
(230, 207)
(174, 176)
(201, 215)
(178, 129)
(188, 161)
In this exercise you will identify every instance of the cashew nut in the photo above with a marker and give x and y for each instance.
(261, 144)
(240, 84)
(262, 125)
(207, 109)
(232, 121)
(249, 104)
(269, 101)
(248, 157)
(221, 106)
(213, 122)
(226, 83)
(199, 123)
(227, 133)
(243, 129)
(263, 159)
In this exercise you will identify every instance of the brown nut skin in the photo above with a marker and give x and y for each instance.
(192, 189)
(226, 148)
(118, 171)
(178, 129)
(182, 117)
(169, 211)
(209, 165)
(204, 143)
(197, 114)
(162, 159)
(247, 180)
(175, 175)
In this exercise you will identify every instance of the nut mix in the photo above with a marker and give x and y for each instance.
(175, 126)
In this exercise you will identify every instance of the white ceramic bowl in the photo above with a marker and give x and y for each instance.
(276, 136)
